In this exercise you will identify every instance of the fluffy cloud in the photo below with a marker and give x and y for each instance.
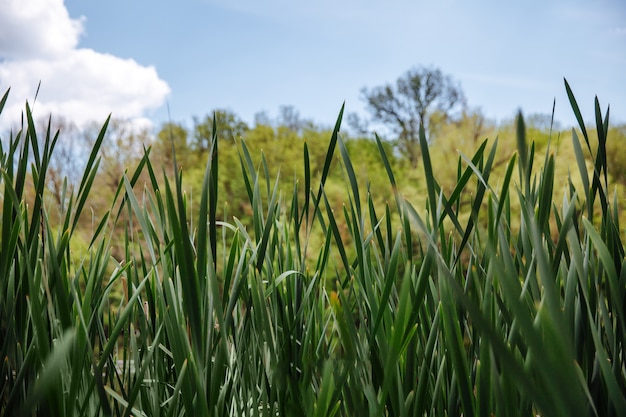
(39, 42)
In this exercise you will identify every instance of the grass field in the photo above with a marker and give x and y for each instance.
(437, 313)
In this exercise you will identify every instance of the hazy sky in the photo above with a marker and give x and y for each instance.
(131, 57)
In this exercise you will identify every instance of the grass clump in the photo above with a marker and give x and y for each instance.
(441, 311)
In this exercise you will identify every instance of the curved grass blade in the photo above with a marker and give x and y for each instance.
(329, 158)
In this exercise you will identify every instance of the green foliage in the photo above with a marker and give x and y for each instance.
(336, 292)
(613, 153)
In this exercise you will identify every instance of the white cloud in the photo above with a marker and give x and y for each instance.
(37, 28)
(39, 42)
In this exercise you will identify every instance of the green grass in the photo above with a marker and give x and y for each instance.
(439, 313)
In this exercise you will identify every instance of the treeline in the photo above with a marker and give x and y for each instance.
(272, 150)
(275, 151)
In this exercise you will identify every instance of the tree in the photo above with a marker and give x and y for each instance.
(357, 125)
(289, 117)
(615, 145)
(67, 161)
(473, 121)
(229, 127)
(422, 96)
(121, 150)
(542, 121)
(261, 118)
(171, 140)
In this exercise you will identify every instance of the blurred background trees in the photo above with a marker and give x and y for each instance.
(422, 96)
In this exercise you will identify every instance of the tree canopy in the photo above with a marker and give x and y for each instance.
(421, 96)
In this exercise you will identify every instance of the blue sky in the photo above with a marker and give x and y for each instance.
(133, 57)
